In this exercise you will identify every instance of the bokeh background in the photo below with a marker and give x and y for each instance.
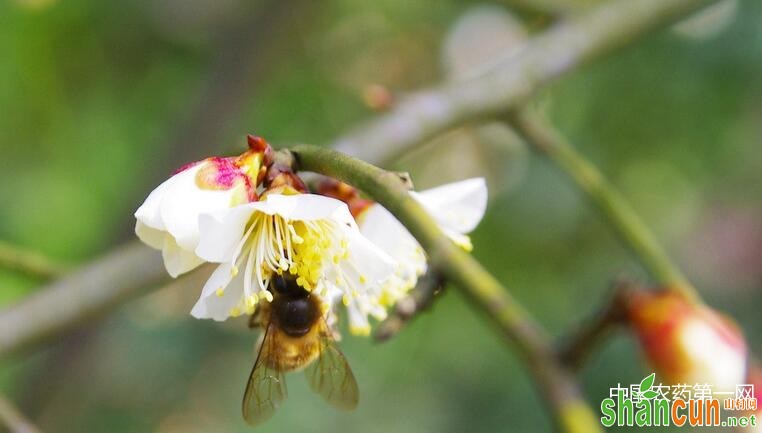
(100, 101)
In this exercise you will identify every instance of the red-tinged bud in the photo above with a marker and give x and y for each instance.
(378, 97)
(688, 343)
(333, 188)
(261, 146)
(279, 175)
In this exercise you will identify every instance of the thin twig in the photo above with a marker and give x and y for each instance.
(29, 262)
(609, 201)
(557, 385)
(575, 348)
(13, 419)
(419, 299)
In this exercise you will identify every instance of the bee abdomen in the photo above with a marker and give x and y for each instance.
(295, 353)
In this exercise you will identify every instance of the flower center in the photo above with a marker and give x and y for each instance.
(274, 245)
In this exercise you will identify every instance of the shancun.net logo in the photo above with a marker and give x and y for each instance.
(647, 404)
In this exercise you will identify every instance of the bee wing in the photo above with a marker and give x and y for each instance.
(331, 377)
(266, 388)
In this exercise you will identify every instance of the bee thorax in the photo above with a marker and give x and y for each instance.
(295, 316)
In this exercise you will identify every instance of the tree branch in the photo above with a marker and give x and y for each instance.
(575, 348)
(560, 390)
(127, 272)
(510, 82)
(609, 201)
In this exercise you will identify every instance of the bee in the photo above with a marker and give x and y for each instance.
(295, 337)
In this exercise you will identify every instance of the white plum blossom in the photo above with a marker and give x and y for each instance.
(456, 207)
(168, 219)
(311, 237)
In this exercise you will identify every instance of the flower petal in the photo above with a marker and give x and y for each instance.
(148, 213)
(221, 231)
(458, 206)
(358, 319)
(178, 260)
(308, 207)
(212, 306)
(185, 201)
(372, 264)
(381, 228)
(152, 237)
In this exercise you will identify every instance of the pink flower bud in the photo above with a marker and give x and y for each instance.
(688, 343)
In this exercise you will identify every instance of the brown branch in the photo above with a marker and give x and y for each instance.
(577, 346)
(419, 299)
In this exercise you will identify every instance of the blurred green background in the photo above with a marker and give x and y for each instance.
(100, 101)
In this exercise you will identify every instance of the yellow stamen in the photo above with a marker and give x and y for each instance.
(267, 295)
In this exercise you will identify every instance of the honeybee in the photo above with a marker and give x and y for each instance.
(295, 336)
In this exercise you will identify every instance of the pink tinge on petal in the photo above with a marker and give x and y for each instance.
(223, 173)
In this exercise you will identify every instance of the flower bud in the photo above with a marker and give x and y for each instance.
(279, 175)
(688, 343)
(347, 193)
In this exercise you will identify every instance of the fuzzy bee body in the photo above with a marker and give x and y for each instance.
(295, 337)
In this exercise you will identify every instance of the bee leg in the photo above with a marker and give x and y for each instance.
(255, 320)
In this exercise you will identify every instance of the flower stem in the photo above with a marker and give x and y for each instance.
(557, 385)
(575, 349)
(610, 202)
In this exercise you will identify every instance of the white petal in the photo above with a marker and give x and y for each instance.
(372, 263)
(148, 213)
(178, 260)
(212, 306)
(358, 320)
(458, 206)
(221, 231)
(184, 201)
(152, 237)
(308, 207)
(381, 228)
